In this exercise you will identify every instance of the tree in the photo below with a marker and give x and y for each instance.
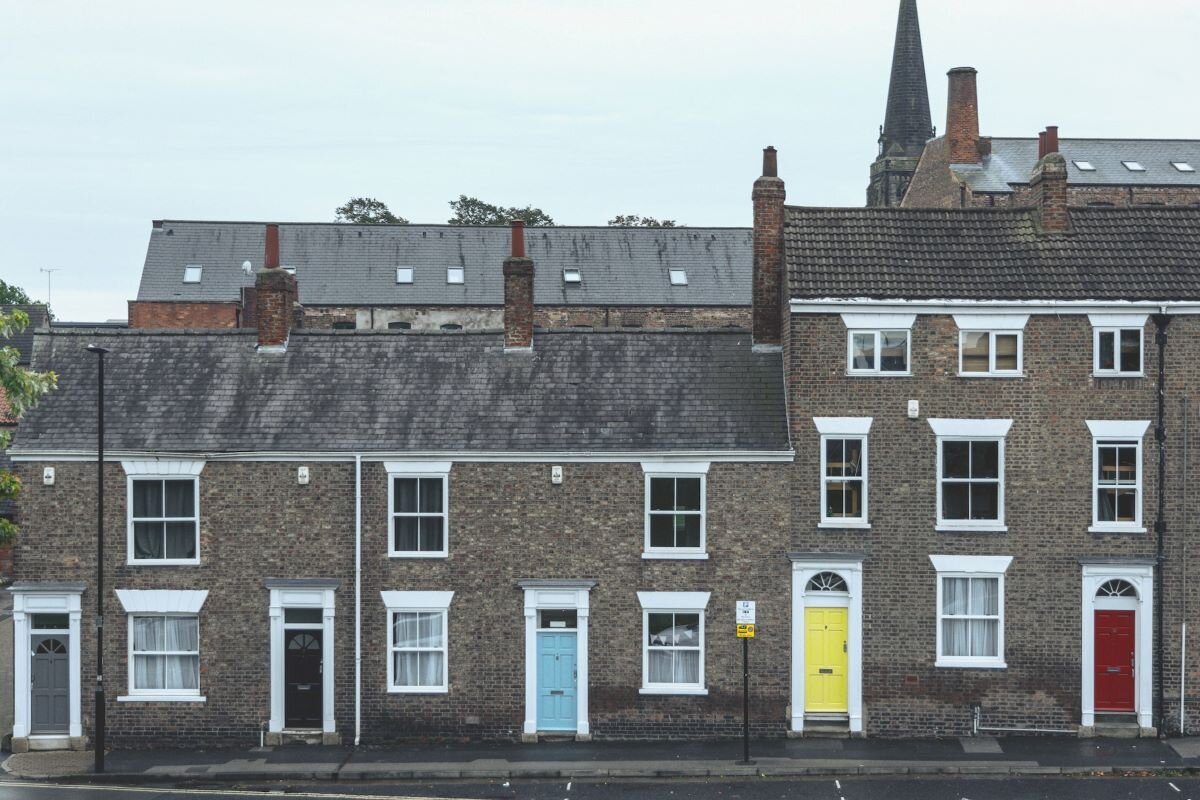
(13, 295)
(367, 211)
(20, 390)
(473, 211)
(634, 221)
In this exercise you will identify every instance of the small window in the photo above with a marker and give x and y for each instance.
(678, 277)
(303, 616)
(1085, 166)
(165, 655)
(556, 618)
(878, 352)
(674, 650)
(192, 273)
(418, 645)
(455, 275)
(1183, 166)
(451, 326)
(990, 353)
(1133, 166)
(675, 514)
(344, 325)
(572, 276)
(399, 326)
(49, 622)
(163, 521)
(827, 582)
(843, 479)
(419, 515)
(1116, 588)
(405, 275)
(1118, 352)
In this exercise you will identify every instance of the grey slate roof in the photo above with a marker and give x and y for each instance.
(907, 124)
(23, 342)
(1012, 162)
(993, 254)
(339, 264)
(395, 391)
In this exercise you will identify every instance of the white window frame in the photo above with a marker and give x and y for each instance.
(172, 470)
(675, 470)
(988, 567)
(844, 428)
(161, 603)
(1109, 432)
(971, 430)
(421, 469)
(857, 323)
(417, 603)
(672, 603)
(993, 325)
(1114, 324)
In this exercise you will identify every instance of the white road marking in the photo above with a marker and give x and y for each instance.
(837, 783)
(1173, 786)
(204, 792)
(568, 786)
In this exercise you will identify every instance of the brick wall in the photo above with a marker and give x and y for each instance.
(144, 314)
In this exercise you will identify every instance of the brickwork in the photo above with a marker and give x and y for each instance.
(518, 302)
(768, 196)
(1048, 505)
(962, 117)
(275, 291)
(183, 315)
(1050, 193)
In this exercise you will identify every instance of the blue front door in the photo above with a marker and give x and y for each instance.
(556, 681)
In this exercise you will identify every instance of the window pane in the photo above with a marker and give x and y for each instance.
(431, 534)
(147, 498)
(687, 629)
(302, 615)
(1131, 351)
(661, 629)
(893, 351)
(181, 499)
(1108, 359)
(405, 495)
(662, 494)
(147, 540)
(983, 635)
(1106, 505)
(955, 637)
(863, 350)
(431, 495)
(955, 503)
(687, 530)
(148, 672)
(661, 666)
(956, 459)
(148, 634)
(1126, 505)
(853, 457)
(687, 666)
(406, 533)
(985, 501)
(181, 672)
(407, 669)
(975, 352)
(50, 622)
(1006, 351)
(405, 628)
(662, 530)
(954, 596)
(181, 540)
(565, 618)
(181, 633)
(1107, 464)
(429, 633)
(985, 596)
(687, 494)
(843, 499)
(1127, 464)
(835, 456)
(985, 459)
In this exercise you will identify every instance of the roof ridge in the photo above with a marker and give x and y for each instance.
(1061, 139)
(419, 225)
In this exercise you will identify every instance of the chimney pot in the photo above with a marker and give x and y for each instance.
(770, 163)
(1051, 139)
(271, 252)
(518, 238)
(962, 117)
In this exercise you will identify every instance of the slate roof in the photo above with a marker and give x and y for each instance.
(38, 318)
(340, 264)
(993, 254)
(1012, 162)
(399, 391)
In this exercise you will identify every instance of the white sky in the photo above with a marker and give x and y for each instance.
(113, 114)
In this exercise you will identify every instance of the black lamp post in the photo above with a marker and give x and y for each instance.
(99, 351)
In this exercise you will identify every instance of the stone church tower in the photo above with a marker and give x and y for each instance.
(907, 124)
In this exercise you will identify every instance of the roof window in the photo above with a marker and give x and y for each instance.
(191, 273)
(404, 274)
(451, 326)
(678, 277)
(1085, 166)
(399, 326)
(1183, 166)
(456, 275)
(1134, 166)
(572, 276)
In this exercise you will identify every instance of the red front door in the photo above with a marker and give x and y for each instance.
(1114, 661)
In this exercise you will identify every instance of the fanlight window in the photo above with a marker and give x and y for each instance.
(1117, 588)
(827, 582)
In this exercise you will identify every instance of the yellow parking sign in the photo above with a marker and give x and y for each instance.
(745, 631)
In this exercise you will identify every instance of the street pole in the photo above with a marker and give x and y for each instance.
(746, 703)
(99, 766)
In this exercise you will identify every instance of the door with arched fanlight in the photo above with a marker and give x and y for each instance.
(826, 651)
(303, 694)
(1115, 647)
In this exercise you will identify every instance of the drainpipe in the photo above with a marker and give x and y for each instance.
(1161, 321)
(1183, 578)
(357, 599)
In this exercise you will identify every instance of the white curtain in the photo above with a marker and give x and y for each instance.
(166, 653)
(970, 597)
(674, 648)
(418, 638)
(670, 665)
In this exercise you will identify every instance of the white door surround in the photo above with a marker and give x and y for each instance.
(302, 593)
(45, 598)
(556, 594)
(1139, 573)
(848, 566)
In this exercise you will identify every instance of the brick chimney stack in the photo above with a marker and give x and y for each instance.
(962, 117)
(518, 294)
(1049, 185)
(768, 197)
(275, 297)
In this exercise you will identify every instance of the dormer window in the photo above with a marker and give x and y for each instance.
(192, 272)
(1183, 166)
(456, 275)
(1133, 166)
(404, 274)
(1085, 166)
(678, 277)
(572, 276)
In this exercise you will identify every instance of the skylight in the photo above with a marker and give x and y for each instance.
(455, 275)
(678, 277)
(572, 276)
(1085, 166)
(1183, 166)
(1133, 166)
(191, 273)
(404, 274)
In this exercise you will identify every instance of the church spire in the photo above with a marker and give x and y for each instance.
(907, 124)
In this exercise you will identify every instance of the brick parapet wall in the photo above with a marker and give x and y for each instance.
(147, 314)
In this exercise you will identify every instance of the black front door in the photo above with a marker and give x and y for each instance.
(302, 679)
(50, 689)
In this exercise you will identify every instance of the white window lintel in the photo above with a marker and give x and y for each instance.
(982, 565)
(675, 467)
(848, 426)
(417, 467)
(991, 322)
(1118, 320)
(971, 428)
(165, 467)
(879, 322)
(162, 601)
(670, 601)
(396, 601)
(1118, 429)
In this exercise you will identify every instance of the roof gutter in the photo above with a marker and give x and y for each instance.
(831, 305)
(563, 456)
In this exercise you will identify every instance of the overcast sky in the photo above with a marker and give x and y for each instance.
(114, 114)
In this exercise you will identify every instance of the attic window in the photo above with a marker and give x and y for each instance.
(572, 276)
(1084, 166)
(1133, 166)
(1183, 166)
(455, 275)
(678, 277)
(344, 325)
(191, 273)
(404, 274)
(451, 326)
(399, 326)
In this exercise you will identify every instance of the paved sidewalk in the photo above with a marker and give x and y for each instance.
(778, 757)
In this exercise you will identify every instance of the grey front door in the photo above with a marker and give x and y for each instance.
(50, 690)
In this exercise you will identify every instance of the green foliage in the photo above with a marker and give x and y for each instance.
(635, 221)
(13, 295)
(367, 211)
(473, 211)
(22, 388)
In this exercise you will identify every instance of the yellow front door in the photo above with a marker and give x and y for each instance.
(825, 660)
